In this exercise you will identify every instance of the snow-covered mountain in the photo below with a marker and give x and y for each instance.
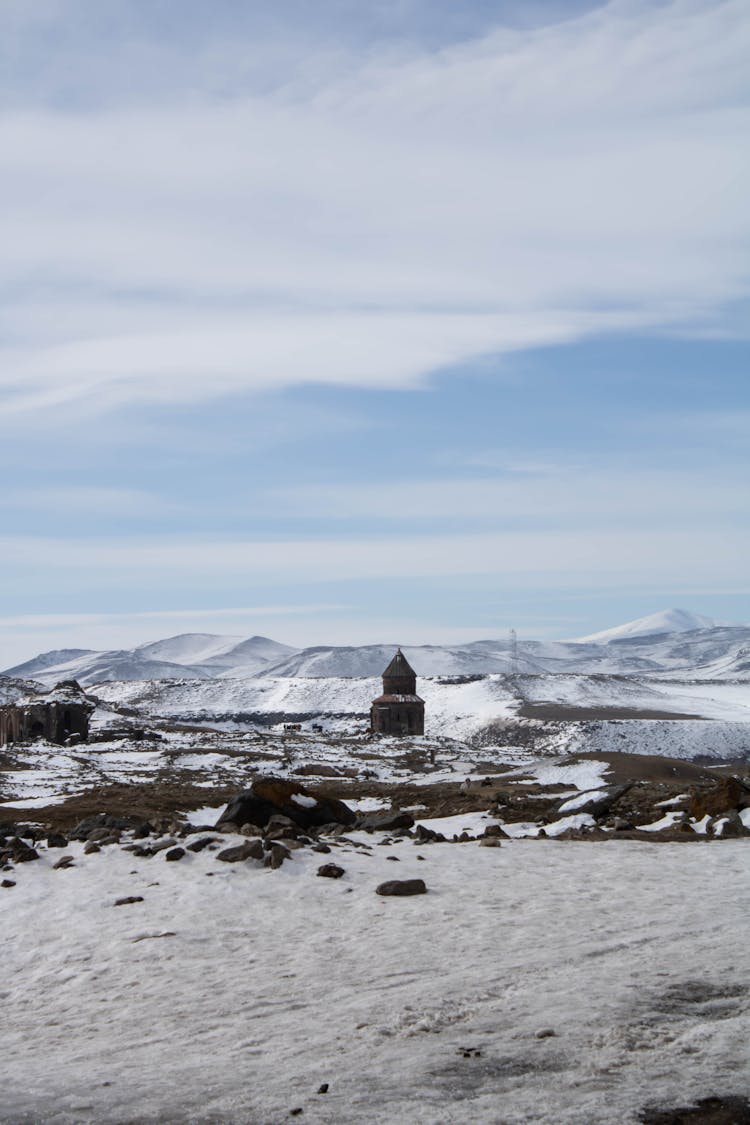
(672, 643)
(188, 656)
(666, 621)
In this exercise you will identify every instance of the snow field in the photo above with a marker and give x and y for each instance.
(274, 982)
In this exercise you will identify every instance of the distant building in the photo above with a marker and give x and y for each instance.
(399, 710)
(56, 716)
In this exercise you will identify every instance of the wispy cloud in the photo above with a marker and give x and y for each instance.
(383, 219)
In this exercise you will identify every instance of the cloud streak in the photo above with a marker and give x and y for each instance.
(384, 220)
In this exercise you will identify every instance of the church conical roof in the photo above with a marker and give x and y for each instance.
(399, 666)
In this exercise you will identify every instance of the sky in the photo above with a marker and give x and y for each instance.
(408, 321)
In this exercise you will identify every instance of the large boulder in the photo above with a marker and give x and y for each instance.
(596, 802)
(729, 794)
(273, 796)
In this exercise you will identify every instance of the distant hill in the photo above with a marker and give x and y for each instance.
(673, 642)
(666, 621)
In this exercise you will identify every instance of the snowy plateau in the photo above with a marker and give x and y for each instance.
(579, 814)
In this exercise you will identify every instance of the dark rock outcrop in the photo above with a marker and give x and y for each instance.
(730, 794)
(402, 887)
(597, 803)
(272, 796)
(330, 871)
(385, 821)
(253, 849)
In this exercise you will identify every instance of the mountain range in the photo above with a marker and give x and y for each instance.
(672, 642)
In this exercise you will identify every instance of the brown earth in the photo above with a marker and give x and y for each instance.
(561, 712)
(520, 799)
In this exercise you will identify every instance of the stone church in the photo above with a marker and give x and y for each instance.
(399, 710)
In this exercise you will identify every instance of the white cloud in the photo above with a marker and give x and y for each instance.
(387, 220)
(599, 558)
(585, 495)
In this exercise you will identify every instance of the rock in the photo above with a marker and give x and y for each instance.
(402, 887)
(323, 1088)
(251, 830)
(56, 840)
(619, 824)
(489, 842)
(545, 1033)
(199, 845)
(268, 797)
(102, 820)
(598, 802)
(317, 769)
(280, 823)
(323, 848)
(7, 884)
(19, 851)
(385, 821)
(162, 845)
(426, 835)
(496, 830)
(63, 862)
(92, 848)
(277, 854)
(174, 854)
(727, 826)
(128, 899)
(253, 849)
(330, 871)
(730, 794)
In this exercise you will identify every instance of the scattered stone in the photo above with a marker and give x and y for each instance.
(103, 836)
(426, 835)
(128, 899)
(545, 1033)
(174, 854)
(496, 830)
(323, 1088)
(490, 842)
(276, 855)
(393, 858)
(7, 884)
(385, 821)
(324, 849)
(56, 840)
(20, 852)
(402, 887)
(253, 849)
(331, 871)
(707, 1111)
(162, 845)
(63, 862)
(199, 845)
(102, 820)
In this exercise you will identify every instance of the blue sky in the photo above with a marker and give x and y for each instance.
(401, 321)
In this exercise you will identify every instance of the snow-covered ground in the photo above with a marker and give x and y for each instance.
(233, 998)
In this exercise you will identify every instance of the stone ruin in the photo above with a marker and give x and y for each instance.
(60, 715)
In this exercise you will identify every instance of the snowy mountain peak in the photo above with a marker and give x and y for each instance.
(666, 621)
